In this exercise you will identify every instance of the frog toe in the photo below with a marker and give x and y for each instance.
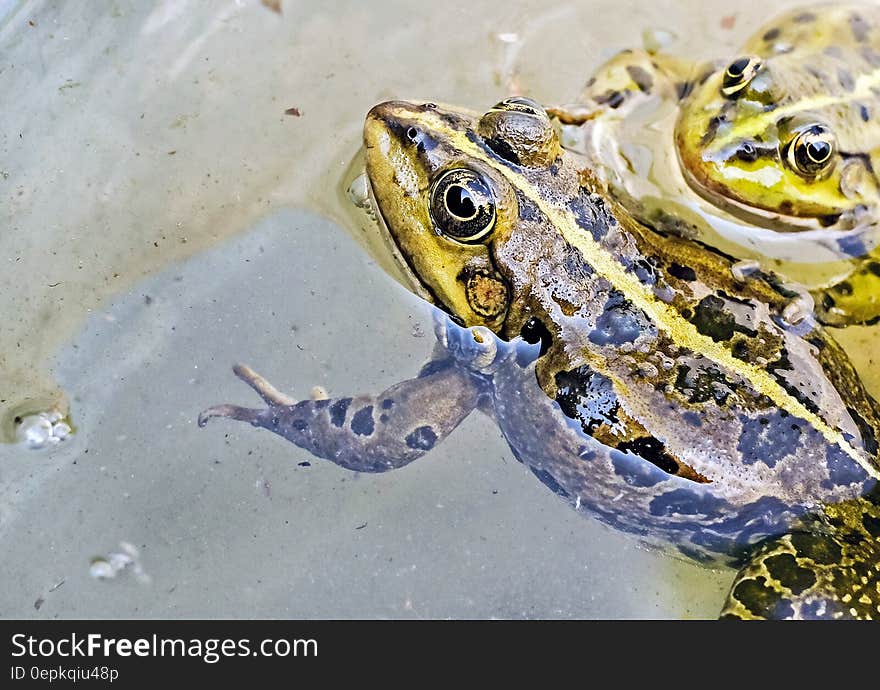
(263, 388)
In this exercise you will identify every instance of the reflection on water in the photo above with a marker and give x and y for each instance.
(143, 139)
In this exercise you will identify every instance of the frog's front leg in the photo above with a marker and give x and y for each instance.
(365, 433)
(855, 300)
(622, 83)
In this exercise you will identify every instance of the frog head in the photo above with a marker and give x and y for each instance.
(442, 206)
(769, 137)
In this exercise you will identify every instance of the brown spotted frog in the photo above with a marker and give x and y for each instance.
(632, 372)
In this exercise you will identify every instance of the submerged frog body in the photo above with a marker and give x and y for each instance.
(631, 372)
(783, 138)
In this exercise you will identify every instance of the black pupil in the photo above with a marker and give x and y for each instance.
(738, 67)
(459, 201)
(818, 150)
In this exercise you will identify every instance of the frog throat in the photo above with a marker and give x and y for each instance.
(663, 315)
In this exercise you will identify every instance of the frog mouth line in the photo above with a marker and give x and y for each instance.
(742, 211)
(403, 261)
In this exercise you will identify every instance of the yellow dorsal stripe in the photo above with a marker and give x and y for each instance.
(665, 317)
(754, 124)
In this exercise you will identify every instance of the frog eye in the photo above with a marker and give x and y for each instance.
(811, 151)
(462, 205)
(738, 75)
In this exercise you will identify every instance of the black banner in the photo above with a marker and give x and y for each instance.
(132, 653)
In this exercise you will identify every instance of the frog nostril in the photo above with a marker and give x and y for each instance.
(747, 152)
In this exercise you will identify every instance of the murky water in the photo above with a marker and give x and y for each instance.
(163, 217)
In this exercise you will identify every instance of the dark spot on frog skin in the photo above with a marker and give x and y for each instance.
(702, 385)
(683, 89)
(785, 569)
(338, 410)
(685, 273)
(387, 404)
(574, 264)
(322, 403)
(817, 548)
(619, 323)
(864, 113)
(768, 439)
(871, 524)
(711, 130)
(783, 364)
(859, 27)
(588, 397)
(762, 600)
(586, 215)
(842, 469)
(845, 78)
(805, 18)
(713, 320)
(362, 421)
(687, 502)
(741, 350)
(844, 288)
(691, 418)
(422, 438)
(642, 78)
(644, 271)
(527, 210)
(650, 449)
(772, 34)
(549, 481)
(614, 99)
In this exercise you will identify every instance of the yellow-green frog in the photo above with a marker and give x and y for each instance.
(784, 138)
(633, 373)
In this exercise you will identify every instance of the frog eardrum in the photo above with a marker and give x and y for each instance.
(519, 130)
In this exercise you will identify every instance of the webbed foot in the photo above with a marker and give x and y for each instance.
(364, 433)
(264, 389)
